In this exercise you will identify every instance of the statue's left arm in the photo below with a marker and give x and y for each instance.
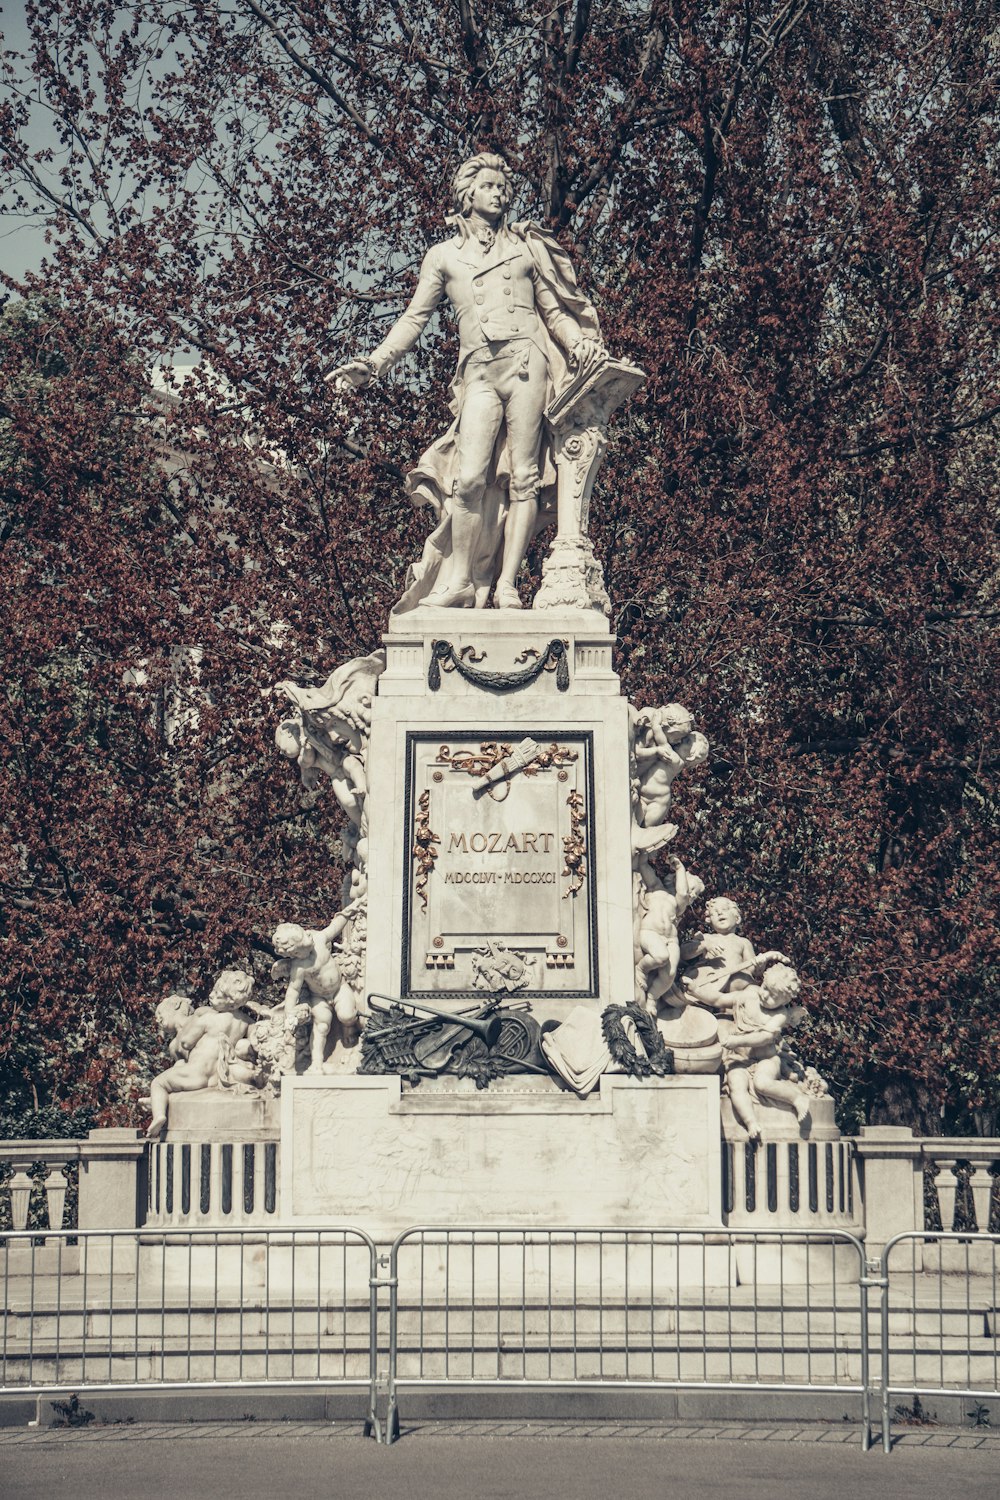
(568, 315)
(565, 330)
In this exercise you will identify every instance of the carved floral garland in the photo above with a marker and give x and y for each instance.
(491, 753)
(424, 851)
(575, 845)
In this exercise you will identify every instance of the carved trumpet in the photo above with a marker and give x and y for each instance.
(487, 1028)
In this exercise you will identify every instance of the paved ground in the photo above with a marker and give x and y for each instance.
(492, 1461)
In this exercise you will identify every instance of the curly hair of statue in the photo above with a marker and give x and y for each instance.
(464, 180)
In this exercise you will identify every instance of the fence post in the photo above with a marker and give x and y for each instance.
(392, 1404)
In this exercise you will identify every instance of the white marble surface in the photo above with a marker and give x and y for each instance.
(633, 1154)
(592, 705)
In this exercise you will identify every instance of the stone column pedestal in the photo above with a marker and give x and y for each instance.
(112, 1180)
(893, 1182)
(572, 577)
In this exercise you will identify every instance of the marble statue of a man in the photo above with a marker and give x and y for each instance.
(523, 325)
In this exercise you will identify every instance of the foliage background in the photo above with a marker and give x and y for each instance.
(787, 214)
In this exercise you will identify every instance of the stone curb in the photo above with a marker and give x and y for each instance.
(847, 1433)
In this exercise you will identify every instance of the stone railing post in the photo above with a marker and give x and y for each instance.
(893, 1179)
(111, 1180)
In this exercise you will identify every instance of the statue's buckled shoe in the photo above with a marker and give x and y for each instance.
(462, 598)
(505, 596)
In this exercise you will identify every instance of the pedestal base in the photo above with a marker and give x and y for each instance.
(572, 578)
(371, 1151)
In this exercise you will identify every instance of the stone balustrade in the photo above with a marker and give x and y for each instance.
(221, 1185)
(25, 1158)
(111, 1182)
(894, 1166)
(876, 1182)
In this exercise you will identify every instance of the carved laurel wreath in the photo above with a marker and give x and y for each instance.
(575, 845)
(658, 1058)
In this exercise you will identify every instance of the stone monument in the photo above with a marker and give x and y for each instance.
(502, 1017)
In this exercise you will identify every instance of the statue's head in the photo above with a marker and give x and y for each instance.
(232, 989)
(695, 748)
(172, 1012)
(676, 721)
(288, 738)
(289, 940)
(723, 915)
(779, 986)
(467, 178)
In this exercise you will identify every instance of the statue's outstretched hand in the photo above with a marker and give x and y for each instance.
(353, 376)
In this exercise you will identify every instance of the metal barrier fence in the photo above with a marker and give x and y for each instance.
(629, 1309)
(503, 1308)
(132, 1310)
(939, 1319)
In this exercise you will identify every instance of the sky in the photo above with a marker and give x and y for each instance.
(22, 240)
(22, 244)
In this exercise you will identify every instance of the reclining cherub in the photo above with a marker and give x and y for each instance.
(198, 1038)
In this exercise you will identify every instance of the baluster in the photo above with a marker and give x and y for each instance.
(982, 1191)
(20, 1194)
(781, 1166)
(173, 1157)
(737, 1166)
(947, 1189)
(55, 1193)
(215, 1182)
(258, 1180)
(239, 1215)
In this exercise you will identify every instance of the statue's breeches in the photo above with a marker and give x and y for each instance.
(509, 385)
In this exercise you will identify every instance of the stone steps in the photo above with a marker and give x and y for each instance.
(827, 1366)
(98, 1334)
(170, 1320)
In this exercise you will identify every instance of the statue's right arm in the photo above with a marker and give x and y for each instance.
(292, 994)
(405, 332)
(191, 1032)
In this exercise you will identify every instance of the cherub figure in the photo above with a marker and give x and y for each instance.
(718, 963)
(198, 1038)
(315, 754)
(753, 1054)
(329, 730)
(660, 906)
(306, 960)
(665, 743)
(265, 1055)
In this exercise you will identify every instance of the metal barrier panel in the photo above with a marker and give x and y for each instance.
(169, 1309)
(939, 1322)
(639, 1308)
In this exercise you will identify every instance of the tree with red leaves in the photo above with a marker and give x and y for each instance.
(785, 211)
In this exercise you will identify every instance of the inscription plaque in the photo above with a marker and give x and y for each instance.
(499, 864)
